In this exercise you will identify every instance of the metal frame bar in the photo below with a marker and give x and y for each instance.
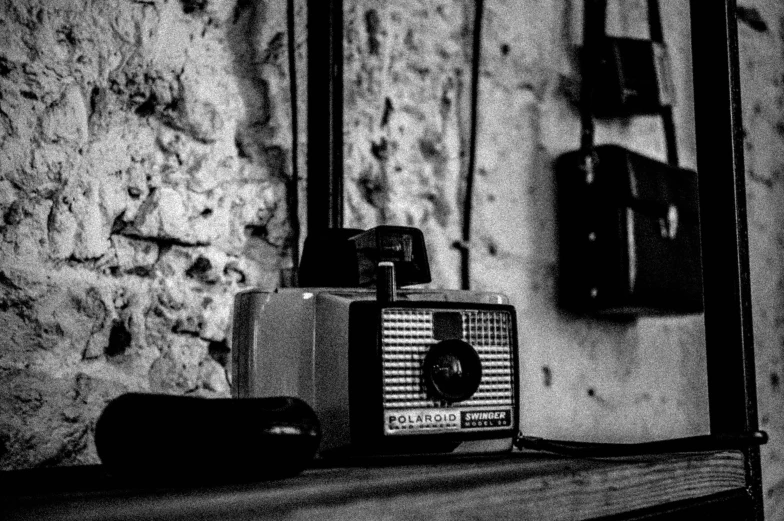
(727, 291)
(325, 115)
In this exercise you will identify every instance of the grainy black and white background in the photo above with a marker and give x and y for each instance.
(145, 177)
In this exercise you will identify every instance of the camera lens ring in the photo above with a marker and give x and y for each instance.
(452, 370)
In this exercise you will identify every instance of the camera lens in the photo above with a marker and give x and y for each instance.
(452, 370)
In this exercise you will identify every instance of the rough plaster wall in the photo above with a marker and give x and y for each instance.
(407, 89)
(407, 79)
(581, 378)
(144, 156)
(761, 35)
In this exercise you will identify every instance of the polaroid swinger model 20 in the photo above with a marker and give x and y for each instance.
(387, 369)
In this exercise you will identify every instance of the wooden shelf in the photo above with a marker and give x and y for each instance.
(516, 486)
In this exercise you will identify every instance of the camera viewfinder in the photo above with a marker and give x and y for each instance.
(401, 245)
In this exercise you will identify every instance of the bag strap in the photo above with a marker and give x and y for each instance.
(654, 22)
(594, 19)
(594, 32)
(668, 121)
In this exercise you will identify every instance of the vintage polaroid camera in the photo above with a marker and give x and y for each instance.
(388, 370)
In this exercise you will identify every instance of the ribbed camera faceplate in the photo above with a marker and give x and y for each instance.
(407, 334)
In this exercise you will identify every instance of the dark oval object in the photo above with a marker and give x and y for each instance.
(198, 439)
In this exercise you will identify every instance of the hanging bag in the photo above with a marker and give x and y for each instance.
(627, 224)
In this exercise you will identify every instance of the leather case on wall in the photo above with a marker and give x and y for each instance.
(633, 77)
(632, 74)
(629, 239)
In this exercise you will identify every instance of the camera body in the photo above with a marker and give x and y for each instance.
(387, 370)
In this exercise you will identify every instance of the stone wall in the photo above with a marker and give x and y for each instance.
(145, 158)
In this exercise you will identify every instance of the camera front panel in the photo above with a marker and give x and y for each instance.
(432, 373)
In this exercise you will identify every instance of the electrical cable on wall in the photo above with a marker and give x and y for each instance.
(464, 244)
(292, 189)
